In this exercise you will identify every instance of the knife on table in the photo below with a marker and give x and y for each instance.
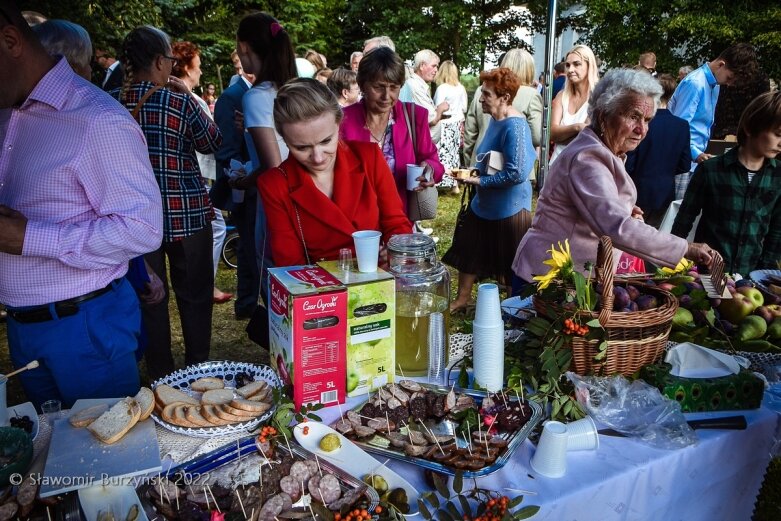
(727, 422)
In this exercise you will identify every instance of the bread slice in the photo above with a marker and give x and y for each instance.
(220, 411)
(180, 418)
(169, 414)
(193, 415)
(217, 397)
(202, 385)
(86, 416)
(146, 400)
(209, 412)
(113, 424)
(266, 395)
(247, 415)
(252, 388)
(165, 395)
(250, 406)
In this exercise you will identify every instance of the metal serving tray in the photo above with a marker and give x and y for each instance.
(380, 445)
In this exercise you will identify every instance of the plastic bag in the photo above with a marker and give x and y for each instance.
(635, 409)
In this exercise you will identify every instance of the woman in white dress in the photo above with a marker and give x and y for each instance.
(569, 110)
(450, 89)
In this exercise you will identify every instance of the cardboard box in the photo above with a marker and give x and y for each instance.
(307, 332)
(371, 328)
(735, 392)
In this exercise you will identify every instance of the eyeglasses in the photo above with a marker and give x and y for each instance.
(174, 61)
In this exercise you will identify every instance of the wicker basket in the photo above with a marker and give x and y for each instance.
(634, 339)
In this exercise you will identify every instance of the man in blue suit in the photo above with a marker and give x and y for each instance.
(663, 154)
(226, 109)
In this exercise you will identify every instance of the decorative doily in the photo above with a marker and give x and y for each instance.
(181, 448)
(228, 371)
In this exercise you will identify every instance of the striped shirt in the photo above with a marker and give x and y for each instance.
(75, 164)
(176, 127)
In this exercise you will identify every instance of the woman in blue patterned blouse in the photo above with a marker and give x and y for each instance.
(485, 240)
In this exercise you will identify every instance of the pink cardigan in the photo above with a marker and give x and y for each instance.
(588, 194)
(353, 128)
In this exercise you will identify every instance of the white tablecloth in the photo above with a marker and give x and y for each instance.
(719, 478)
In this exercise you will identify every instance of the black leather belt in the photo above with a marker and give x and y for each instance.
(63, 308)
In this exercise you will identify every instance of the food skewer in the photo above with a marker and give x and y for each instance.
(216, 505)
(317, 460)
(433, 437)
(241, 503)
(30, 365)
(468, 444)
(208, 505)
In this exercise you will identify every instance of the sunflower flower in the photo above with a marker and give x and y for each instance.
(561, 265)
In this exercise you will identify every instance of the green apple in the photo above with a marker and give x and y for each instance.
(753, 294)
(352, 381)
(737, 308)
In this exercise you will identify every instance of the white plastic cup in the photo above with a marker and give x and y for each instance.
(238, 195)
(413, 172)
(582, 435)
(3, 405)
(367, 250)
(488, 310)
(488, 356)
(550, 458)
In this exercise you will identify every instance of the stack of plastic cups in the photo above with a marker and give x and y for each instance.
(437, 358)
(488, 339)
(550, 458)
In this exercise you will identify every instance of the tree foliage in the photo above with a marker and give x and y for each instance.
(681, 32)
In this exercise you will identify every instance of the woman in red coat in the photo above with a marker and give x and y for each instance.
(326, 189)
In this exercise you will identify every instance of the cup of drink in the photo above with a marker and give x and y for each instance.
(345, 259)
(3, 404)
(413, 172)
(367, 249)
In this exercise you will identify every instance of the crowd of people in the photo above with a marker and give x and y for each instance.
(113, 194)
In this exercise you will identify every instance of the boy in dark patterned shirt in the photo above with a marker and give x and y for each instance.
(739, 193)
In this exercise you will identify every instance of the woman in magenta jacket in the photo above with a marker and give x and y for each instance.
(378, 118)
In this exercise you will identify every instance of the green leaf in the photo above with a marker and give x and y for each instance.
(432, 498)
(423, 510)
(443, 515)
(314, 417)
(517, 500)
(465, 506)
(594, 322)
(526, 512)
(538, 326)
(555, 408)
(601, 355)
(710, 317)
(451, 507)
(441, 485)
(678, 290)
(458, 482)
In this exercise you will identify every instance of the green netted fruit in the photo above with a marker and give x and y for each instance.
(330, 442)
(378, 483)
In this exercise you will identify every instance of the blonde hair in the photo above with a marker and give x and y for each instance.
(521, 63)
(587, 55)
(447, 73)
(302, 99)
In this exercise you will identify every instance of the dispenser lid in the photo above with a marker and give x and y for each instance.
(415, 245)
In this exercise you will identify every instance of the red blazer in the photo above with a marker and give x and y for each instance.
(364, 198)
(353, 128)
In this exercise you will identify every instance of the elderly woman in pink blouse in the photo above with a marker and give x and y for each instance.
(379, 118)
(588, 192)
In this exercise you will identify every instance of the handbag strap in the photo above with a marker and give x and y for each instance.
(409, 114)
(298, 219)
(143, 100)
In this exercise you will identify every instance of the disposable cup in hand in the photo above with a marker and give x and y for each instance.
(488, 309)
(582, 435)
(550, 459)
(238, 195)
(413, 172)
(3, 404)
(367, 250)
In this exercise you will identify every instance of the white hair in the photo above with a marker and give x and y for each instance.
(378, 41)
(68, 39)
(611, 94)
(424, 56)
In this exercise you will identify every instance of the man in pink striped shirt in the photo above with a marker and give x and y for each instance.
(78, 200)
